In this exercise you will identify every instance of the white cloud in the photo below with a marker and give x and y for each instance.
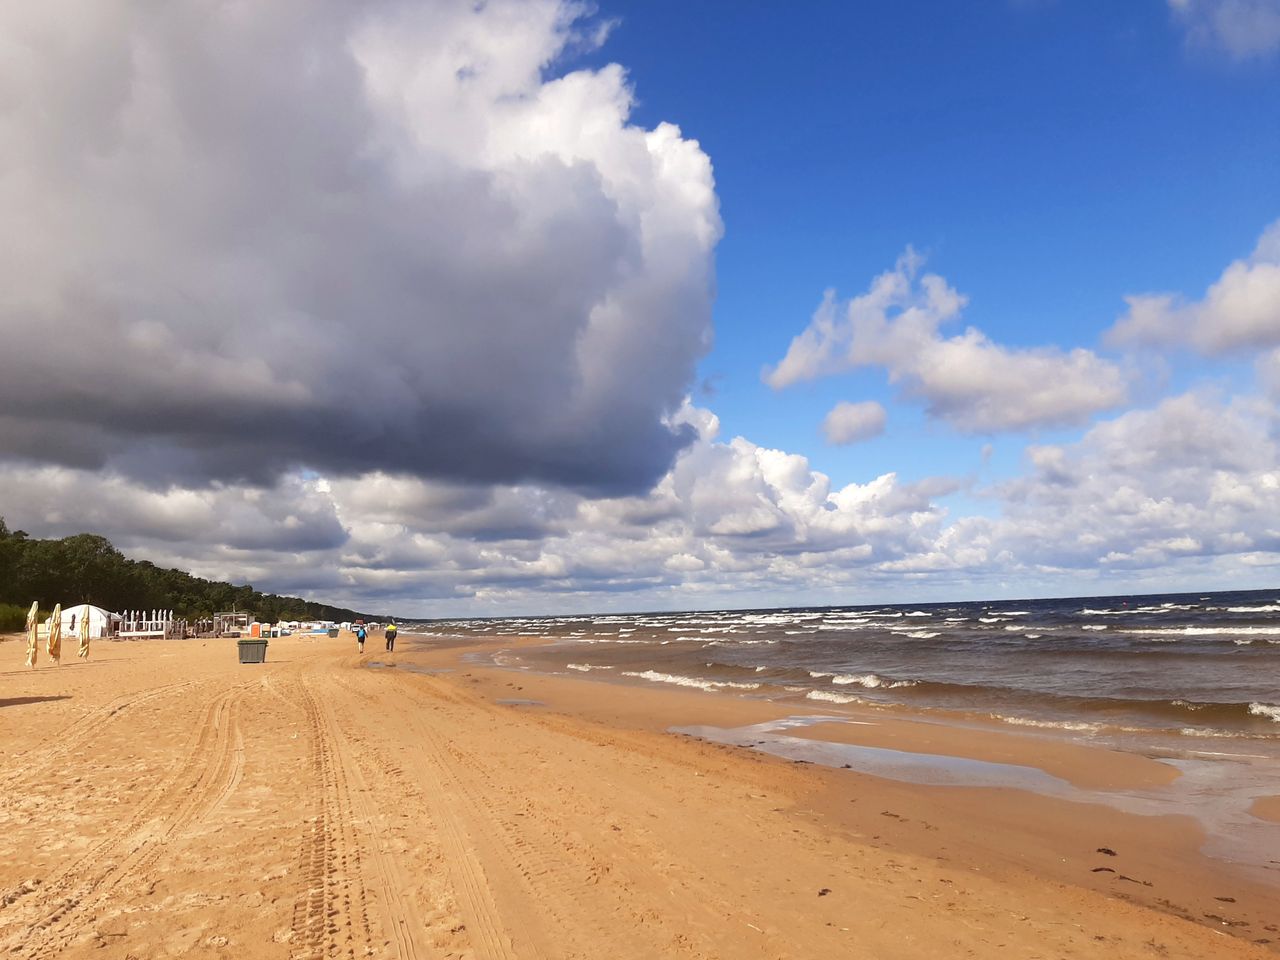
(974, 384)
(1195, 475)
(1240, 310)
(243, 238)
(728, 519)
(853, 422)
(1243, 28)
(1190, 485)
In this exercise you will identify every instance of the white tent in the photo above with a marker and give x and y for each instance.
(99, 620)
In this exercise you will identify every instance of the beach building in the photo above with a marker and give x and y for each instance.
(102, 623)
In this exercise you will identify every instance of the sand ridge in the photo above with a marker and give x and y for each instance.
(165, 801)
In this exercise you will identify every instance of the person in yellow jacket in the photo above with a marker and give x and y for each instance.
(390, 634)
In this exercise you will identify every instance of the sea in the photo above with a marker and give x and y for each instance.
(1127, 670)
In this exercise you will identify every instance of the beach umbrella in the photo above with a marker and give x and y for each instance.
(83, 652)
(54, 646)
(33, 633)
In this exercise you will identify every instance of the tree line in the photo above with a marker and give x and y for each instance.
(86, 568)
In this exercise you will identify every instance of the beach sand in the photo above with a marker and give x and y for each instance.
(162, 800)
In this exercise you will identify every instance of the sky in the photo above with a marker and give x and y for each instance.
(455, 309)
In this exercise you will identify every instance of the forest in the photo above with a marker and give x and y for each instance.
(86, 568)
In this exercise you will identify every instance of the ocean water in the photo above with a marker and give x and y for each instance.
(1199, 666)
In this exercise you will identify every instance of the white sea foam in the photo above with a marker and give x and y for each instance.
(923, 634)
(1206, 732)
(1079, 725)
(992, 619)
(1265, 710)
(1204, 631)
(1094, 626)
(868, 680)
(832, 697)
(586, 667)
(656, 677)
(1033, 636)
(1264, 608)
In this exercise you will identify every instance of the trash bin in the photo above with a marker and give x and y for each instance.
(252, 651)
(333, 632)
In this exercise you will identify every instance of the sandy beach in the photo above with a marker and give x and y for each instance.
(162, 800)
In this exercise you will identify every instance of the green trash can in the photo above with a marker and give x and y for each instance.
(252, 651)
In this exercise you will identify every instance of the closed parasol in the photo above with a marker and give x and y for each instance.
(54, 646)
(33, 633)
(83, 652)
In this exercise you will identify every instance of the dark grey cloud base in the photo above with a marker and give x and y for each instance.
(225, 255)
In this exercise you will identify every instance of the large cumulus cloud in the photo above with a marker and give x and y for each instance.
(241, 238)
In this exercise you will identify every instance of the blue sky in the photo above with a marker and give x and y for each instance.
(407, 305)
(1047, 157)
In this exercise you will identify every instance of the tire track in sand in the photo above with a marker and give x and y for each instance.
(29, 766)
(516, 891)
(466, 911)
(405, 922)
(209, 772)
(330, 916)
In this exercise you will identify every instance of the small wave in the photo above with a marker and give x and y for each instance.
(869, 680)
(919, 613)
(923, 634)
(681, 681)
(1033, 636)
(1094, 626)
(1265, 710)
(1078, 725)
(992, 619)
(832, 697)
(586, 667)
(1264, 608)
(1203, 631)
(1207, 732)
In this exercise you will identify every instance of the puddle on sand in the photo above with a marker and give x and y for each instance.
(1217, 793)
(931, 769)
(521, 703)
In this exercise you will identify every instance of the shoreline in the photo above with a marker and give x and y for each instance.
(1172, 842)
(186, 805)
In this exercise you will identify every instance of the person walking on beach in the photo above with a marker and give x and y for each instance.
(391, 636)
(360, 636)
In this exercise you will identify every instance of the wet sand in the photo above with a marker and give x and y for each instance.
(163, 800)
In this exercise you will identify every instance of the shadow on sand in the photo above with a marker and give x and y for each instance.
(18, 701)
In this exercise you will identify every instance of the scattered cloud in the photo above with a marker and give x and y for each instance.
(853, 422)
(1196, 476)
(239, 240)
(1239, 312)
(1245, 29)
(967, 380)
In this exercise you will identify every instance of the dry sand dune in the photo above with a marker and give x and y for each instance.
(162, 800)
